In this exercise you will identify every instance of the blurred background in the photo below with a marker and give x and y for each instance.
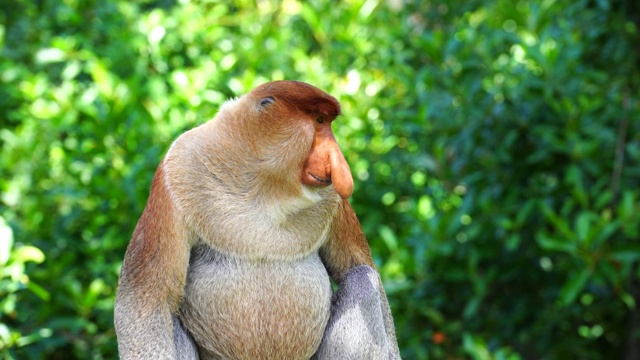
(495, 147)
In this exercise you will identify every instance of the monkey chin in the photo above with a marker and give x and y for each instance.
(309, 196)
(312, 194)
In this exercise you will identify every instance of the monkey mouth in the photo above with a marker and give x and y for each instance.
(320, 179)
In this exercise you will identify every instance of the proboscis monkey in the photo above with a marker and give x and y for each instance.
(246, 222)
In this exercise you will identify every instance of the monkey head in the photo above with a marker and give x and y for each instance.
(285, 128)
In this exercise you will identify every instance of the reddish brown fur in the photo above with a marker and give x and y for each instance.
(158, 242)
(347, 246)
(304, 97)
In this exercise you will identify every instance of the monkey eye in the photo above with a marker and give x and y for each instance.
(320, 120)
(266, 101)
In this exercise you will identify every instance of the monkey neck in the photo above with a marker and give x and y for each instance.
(285, 206)
(258, 172)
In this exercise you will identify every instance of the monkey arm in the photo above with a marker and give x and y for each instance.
(152, 280)
(361, 323)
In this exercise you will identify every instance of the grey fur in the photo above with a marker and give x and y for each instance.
(186, 348)
(143, 336)
(356, 328)
(238, 309)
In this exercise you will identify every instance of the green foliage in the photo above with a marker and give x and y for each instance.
(13, 279)
(494, 147)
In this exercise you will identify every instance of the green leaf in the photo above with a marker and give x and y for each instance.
(472, 307)
(28, 253)
(96, 288)
(628, 300)
(432, 314)
(389, 238)
(49, 55)
(425, 207)
(606, 232)
(475, 347)
(41, 292)
(574, 286)
(562, 225)
(548, 243)
(583, 225)
(625, 253)
(6, 241)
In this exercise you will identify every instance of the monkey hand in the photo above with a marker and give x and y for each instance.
(356, 328)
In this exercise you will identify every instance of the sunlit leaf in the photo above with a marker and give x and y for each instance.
(28, 253)
(6, 241)
(50, 55)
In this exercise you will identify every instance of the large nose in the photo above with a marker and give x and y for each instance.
(326, 164)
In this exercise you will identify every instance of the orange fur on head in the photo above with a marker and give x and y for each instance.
(304, 97)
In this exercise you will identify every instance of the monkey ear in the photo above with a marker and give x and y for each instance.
(266, 101)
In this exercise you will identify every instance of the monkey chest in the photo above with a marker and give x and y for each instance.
(239, 309)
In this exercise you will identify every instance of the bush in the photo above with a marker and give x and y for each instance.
(493, 146)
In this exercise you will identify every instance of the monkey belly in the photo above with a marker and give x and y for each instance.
(237, 309)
